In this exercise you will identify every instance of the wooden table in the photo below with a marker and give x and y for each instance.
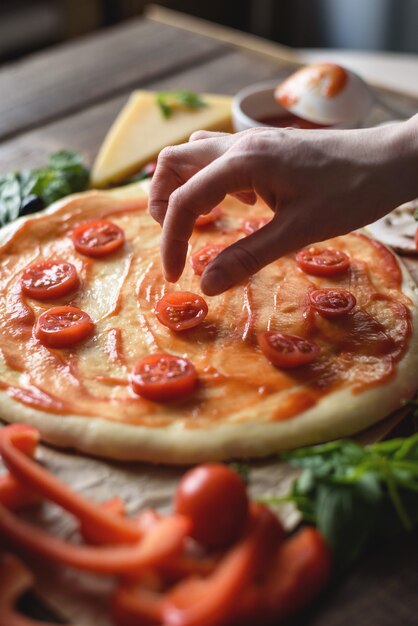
(68, 96)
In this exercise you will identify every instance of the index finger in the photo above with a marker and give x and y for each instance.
(198, 195)
(176, 165)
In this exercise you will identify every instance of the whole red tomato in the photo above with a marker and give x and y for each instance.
(215, 498)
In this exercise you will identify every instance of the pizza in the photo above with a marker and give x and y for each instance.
(102, 355)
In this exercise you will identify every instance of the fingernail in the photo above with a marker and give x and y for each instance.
(156, 217)
(170, 277)
(214, 282)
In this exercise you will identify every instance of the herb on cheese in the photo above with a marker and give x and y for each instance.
(29, 191)
(356, 494)
(168, 100)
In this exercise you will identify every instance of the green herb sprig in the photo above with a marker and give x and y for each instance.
(356, 494)
(30, 190)
(168, 100)
(243, 471)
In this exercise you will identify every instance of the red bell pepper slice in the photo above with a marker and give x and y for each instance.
(135, 604)
(109, 528)
(299, 572)
(14, 496)
(116, 506)
(183, 564)
(172, 569)
(27, 445)
(198, 601)
(160, 543)
(210, 601)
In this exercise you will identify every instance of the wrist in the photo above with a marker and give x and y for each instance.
(402, 149)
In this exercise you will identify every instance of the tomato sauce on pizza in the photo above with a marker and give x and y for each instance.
(360, 333)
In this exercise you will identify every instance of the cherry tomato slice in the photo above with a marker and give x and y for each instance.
(332, 303)
(163, 377)
(63, 326)
(322, 261)
(97, 239)
(253, 224)
(181, 310)
(200, 259)
(209, 218)
(287, 351)
(47, 280)
(214, 497)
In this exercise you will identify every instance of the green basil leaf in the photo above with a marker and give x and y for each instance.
(63, 159)
(10, 198)
(243, 470)
(69, 165)
(164, 107)
(347, 521)
(167, 99)
(329, 459)
(357, 494)
(305, 483)
(190, 99)
(29, 190)
(369, 487)
(58, 188)
(408, 450)
(27, 180)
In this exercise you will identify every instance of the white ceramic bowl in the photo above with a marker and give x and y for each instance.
(256, 102)
(253, 103)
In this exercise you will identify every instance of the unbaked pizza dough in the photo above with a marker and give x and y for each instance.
(244, 407)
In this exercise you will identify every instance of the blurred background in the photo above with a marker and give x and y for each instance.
(30, 25)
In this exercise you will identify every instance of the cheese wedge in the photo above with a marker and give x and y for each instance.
(140, 131)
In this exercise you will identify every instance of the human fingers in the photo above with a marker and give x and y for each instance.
(175, 165)
(198, 196)
(207, 134)
(247, 256)
(247, 197)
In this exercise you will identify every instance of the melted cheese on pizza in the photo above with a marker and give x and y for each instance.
(120, 292)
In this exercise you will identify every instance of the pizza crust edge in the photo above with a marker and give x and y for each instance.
(338, 414)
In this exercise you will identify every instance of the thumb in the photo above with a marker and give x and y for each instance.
(249, 255)
(248, 197)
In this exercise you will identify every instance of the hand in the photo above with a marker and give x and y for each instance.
(318, 183)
